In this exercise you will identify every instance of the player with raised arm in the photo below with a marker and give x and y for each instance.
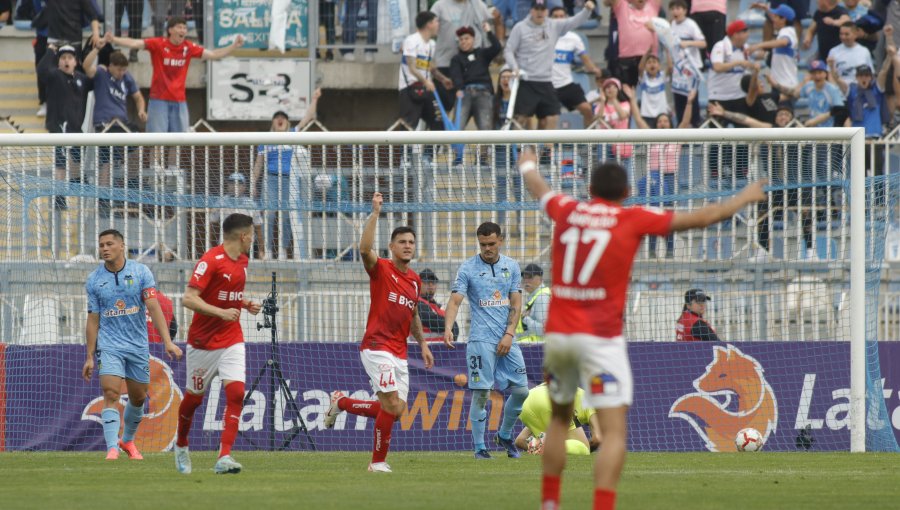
(493, 284)
(594, 244)
(394, 291)
(120, 293)
(215, 294)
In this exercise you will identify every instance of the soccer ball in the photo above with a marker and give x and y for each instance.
(748, 440)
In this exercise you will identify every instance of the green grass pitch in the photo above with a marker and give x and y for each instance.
(423, 480)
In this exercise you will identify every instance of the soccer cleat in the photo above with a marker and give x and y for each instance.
(483, 455)
(226, 465)
(131, 450)
(511, 450)
(112, 454)
(183, 460)
(379, 467)
(333, 409)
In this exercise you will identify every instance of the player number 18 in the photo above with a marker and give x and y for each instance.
(572, 238)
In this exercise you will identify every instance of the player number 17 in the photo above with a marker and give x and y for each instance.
(572, 238)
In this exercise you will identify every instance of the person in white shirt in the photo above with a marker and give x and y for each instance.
(728, 66)
(688, 62)
(417, 68)
(849, 55)
(651, 89)
(784, 47)
(568, 47)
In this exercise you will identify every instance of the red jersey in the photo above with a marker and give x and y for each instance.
(170, 67)
(220, 281)
(394, 297)
(168, 312)
(594, 244)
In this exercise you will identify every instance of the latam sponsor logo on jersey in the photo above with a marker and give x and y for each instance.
(120, 310)
(578, 294)
(393, 297)
(230, 296)
(497, 299)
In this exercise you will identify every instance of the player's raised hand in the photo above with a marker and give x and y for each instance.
(238, 41)
(504, 345)
(427, 357)
(377, 202)
(230, 314)
(88, 369)
(173, 351)
(448, 339)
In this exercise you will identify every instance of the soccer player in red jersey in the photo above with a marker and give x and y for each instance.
(594, 244)
(215, 340)
(394, 289)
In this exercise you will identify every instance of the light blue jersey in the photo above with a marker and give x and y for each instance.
(488, 287)
(119, 300)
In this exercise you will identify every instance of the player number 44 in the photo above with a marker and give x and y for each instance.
(389, 382)
(572, 238)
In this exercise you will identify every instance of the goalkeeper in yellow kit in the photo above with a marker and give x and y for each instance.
(536, 416)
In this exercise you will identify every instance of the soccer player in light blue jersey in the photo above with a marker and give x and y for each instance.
(120, 293)
(493, 284)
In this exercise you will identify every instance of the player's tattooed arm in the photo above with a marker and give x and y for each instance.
(515, 311)
(367, 240)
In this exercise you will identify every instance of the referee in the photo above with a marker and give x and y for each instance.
(691, 326)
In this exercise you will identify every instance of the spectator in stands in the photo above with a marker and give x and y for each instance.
(5, 11)
(822, 95)
(530, 53)
(846, 57)
(651, 90)
(430, 311)
(235, 190)
(866, 102)
(67, 90)
(614, 109)
(168, 311)
(800, 8)
(855, 9)
(113, 85)
(285, 165)
(326, 19)
(691, 326)
(64, 23)
(784, 47)
(536, 305)
(570, 94)
(826, 25)
(728, 66)
(417, 68)
(135, 10)
(164, 10)
(453, 15)
(688, 63)
(762, 105)
(350, 29)
(471, 75)
(784, 114)
(501, 98)
(635, 39)
(710, 16)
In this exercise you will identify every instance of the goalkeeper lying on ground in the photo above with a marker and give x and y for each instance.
(536, 416)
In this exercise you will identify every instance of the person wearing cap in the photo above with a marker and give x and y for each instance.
(530, 52)
(570, 47)
(284, 167)
(635, 39)
(471, 75)
(537, 304)
(688, 62)
(825, 26)
(453, 15)
(847, 57)
(822, 96)
(691, 326)
(430, 311)
(784, 47)
(67, 90)
(801, 12)
(728, 66)
(237, 201)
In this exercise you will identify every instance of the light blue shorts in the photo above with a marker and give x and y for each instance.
(167, 116)
(487, 369)
(127, 365)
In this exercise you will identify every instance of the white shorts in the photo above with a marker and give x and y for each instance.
(387, 372)
(230, 364)
(600, 366)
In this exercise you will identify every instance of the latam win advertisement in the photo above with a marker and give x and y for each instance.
(688, 397)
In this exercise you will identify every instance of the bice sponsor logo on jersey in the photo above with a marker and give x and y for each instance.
(175, 62)
(230, 296)
(496, 299)
(120, 310)
(402, 300)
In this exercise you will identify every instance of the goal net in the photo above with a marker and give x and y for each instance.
(805, 345)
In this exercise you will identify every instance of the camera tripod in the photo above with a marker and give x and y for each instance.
(277, 382)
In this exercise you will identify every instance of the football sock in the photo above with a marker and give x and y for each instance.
(234, 404)
(550, 492)
(604, 499)
(110, 417)
(189, 404)
(384, 422)
(133, 416)
(512, 409)
(477, 416)
(367, 408)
